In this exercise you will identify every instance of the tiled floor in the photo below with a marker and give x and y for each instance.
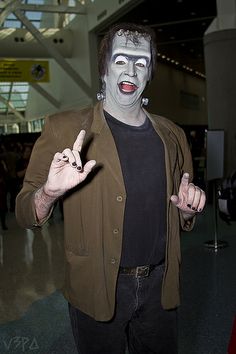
(208, 288)
(33, 313)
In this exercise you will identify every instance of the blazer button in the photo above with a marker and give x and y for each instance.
(113, 261)
(119, 198)
(115, 231)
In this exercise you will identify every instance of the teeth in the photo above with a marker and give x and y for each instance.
(127, 83)
(127, 87)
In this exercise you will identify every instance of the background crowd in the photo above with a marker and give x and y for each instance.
(14, 158)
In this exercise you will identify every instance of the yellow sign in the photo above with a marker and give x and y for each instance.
(24, 71)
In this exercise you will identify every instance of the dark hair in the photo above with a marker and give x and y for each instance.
(132, 32)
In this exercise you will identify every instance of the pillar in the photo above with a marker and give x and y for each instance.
(220, 66)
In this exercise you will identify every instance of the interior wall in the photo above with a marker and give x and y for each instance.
(105, 11)
(178, 96)
(61, 86)
(175, 94)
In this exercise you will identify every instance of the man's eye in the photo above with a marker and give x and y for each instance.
(142, 63)
(121, 60)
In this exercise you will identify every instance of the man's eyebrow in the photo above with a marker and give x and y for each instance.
(131, 56)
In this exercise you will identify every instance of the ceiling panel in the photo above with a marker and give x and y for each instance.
(179, 26)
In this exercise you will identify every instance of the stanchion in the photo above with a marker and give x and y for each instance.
(215, 244)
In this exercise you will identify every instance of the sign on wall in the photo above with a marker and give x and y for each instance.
(215, 154)
(24, 71)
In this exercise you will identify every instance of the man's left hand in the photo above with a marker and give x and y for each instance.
(190, 199)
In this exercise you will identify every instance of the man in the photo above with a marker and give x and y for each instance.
(122, 217)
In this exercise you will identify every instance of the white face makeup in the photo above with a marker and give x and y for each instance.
(128, 72)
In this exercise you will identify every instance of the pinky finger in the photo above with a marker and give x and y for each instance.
(88, 167)
(202, 202)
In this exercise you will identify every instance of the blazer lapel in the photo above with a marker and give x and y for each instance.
(105, 146)
(171, 158)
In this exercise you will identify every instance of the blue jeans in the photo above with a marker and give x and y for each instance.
(139, 323)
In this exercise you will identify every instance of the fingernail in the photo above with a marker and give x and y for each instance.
(189, 205)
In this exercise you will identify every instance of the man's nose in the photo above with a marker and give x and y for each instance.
(131, 69)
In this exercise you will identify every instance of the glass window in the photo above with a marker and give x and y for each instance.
(20, 87)
(4, 95)
(5, 87)
(35, 2)
(2, 106)
(12, 24)
(18, 104)
(32, 15)
(16, 93)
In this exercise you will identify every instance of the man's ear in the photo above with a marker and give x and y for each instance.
(103, 84)
(103, 80)
(150, 74)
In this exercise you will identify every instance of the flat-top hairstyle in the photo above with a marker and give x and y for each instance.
(133, 32)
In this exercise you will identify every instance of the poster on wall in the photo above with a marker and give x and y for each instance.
(24, 71)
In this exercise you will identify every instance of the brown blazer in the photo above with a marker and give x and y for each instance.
(93, 211)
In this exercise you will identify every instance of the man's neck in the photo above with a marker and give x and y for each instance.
(135, 116)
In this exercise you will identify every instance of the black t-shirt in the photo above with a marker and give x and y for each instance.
(141, 154)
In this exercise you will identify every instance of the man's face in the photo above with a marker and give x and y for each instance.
(128, 71)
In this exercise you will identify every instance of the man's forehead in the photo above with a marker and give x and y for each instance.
(122, 44)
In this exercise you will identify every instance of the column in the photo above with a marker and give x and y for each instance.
(220, 65)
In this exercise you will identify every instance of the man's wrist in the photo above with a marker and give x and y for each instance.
(188, 216)
(43, 203)
(49, 194)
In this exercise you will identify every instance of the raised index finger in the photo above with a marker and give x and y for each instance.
(185, 179)
(79, 141)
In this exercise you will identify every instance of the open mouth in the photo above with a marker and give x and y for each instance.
(127, 87)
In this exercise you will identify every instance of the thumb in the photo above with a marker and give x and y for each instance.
(174, 199)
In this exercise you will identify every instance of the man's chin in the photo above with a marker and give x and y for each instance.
(128, 100)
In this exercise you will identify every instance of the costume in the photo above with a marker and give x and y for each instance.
(94, 210)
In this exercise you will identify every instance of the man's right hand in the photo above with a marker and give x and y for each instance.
(66, 170)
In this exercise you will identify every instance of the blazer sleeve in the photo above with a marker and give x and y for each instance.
(36, 175)
(187, 166)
